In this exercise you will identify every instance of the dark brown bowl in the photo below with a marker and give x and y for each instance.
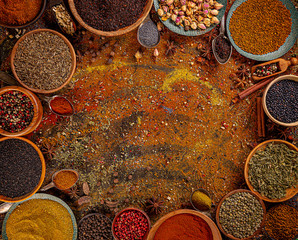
(43, 7)
(218, 208)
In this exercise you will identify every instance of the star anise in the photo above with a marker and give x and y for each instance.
(154, 206)
(171, 48)
(48, 150)
(243, 71)
(73, 192)
(206, 52)
(283, 132)
(240, 82)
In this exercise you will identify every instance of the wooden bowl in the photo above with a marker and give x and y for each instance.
(42, 176)
(37, 108)
(130, 209)
(43, 7)
(218, 208)
(72, 52)
(111, 33)
(211, 224)
(290, 77)
(291, 192)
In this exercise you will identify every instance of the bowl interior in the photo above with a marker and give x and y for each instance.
(43, 172)
(289, 43)
(290, 192)
(43, 7)
(42, 196)
(230, 194)
(73, 64)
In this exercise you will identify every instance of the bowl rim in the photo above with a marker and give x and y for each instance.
(214, 229)
(230, 194)
(43, 7)
(43, 196)
(131, 209)
(118, 32)
(37, 109)
(281, 78)
(42, 176)
(73, 63)
(246, 171)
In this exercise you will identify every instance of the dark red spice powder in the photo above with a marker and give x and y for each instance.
(61, 106)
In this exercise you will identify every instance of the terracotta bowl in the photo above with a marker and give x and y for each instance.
(217, 215)
(290, 77)
(43, 172)
(118, 32)
(72, 52)
(212, 225)
(37, 108)
(43, 7)
(290, 192)
(130, 209)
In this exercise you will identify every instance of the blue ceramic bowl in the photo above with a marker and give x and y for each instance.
(289, 43)
(42, 196)
(180, 30)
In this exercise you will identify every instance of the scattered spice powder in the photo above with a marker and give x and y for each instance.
(16, 111)
(65, 179)
(61, 106)
(43, 61)
(19, 12)
(281, 222)
(260, 26)
(45, 218)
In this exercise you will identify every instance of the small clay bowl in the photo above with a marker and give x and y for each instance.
(285, 77)
(127, 210)
(73, 64)
(215, 232)
(218, 208)
(118, 32)
(43, 7)
(37, 108)
(42, 176)
(291, 192)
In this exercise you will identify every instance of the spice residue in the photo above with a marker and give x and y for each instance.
(43, 61)
(65, 179)
(61, 106)
(260, 26)
(41, 218)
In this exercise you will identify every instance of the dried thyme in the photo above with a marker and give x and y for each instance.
(43, 61)
(273, 170)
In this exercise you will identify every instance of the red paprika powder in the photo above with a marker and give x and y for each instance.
(61, 106)
(184, 227)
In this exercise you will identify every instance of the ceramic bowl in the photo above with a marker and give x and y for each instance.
(279, 79)
(118, 32)
(130, 209)
(47, 197)
(290, 192)
(72, 52)
(218, 209)
(37, 108)
(211, 224)
(43, 7)
(42, 176)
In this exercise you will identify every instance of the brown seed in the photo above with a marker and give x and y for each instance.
(129, 177)
(116, 181)
(112, 54)
(83, 200)
(115, 174)
(86, 189)
(110, 61)
(111, 190)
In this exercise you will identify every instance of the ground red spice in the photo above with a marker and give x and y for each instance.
(184, 227)
(61, 106)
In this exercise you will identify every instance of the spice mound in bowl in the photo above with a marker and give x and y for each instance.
(44, 218)
(240, 214)
(131, 224)
(43, 61)
(272, 170)
(254, 34)
(95, 226)
(20, 167)
(110, 15)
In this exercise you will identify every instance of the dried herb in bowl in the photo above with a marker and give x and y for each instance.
(43, 61)
(273, 170)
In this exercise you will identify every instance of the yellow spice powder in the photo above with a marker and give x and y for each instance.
(39, 219)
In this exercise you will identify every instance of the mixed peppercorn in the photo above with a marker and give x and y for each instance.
(266, 70)
(16, 111)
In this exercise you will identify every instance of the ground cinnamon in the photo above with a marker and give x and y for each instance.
(61, 106)
(19, 12)
(65, 179)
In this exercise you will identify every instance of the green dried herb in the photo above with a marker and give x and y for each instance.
(273, 170)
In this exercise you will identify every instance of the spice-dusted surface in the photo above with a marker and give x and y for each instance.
(156, 126)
